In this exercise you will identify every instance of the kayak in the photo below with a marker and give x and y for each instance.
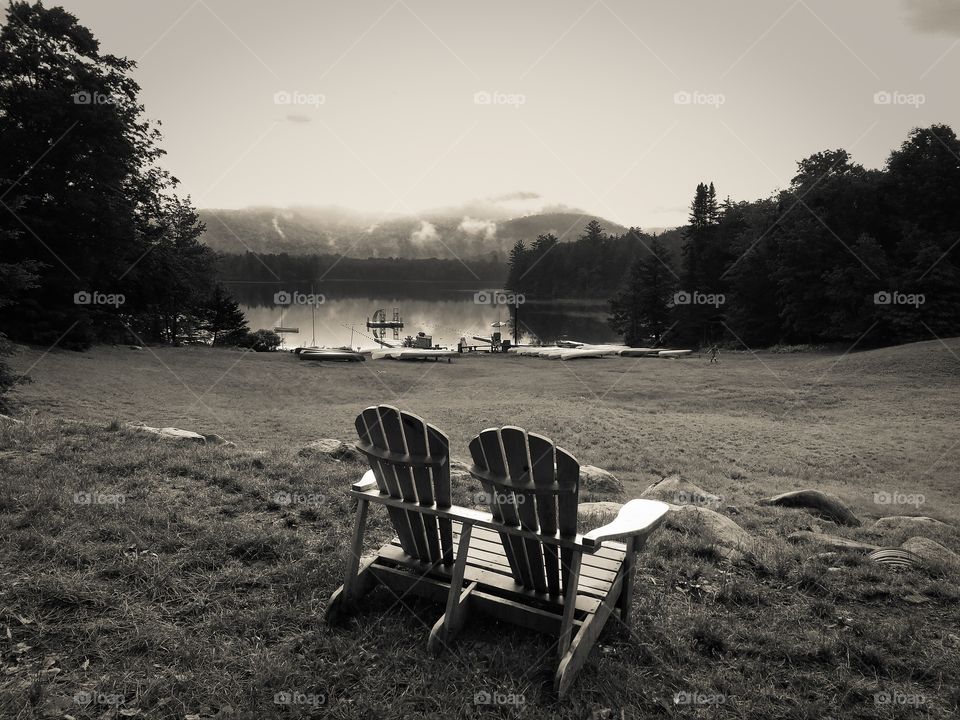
(674, 353)
(412, 354)
(330, 354)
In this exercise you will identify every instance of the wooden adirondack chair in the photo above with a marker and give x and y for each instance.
(562, 582)
(525, 563)
(409, 465)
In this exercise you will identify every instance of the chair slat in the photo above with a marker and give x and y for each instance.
(517, 459)
(415, 434)
(544, 477)
(439, 446)
(568, 482)
(392, 428)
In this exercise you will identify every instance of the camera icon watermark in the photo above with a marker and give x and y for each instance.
(84, 97)
(498, 297)
(686, 697)
(895, 97)
(83, 698)
(893, 297)
(499, 498)
(899, 498)
(682, 297)
(295, 697)
(485, 97)
(295, 97)
(285, 297)
(683, 497)
(695, 97)
(95, 497)
(485, 697)
(896, 697)
(285, 499)
(87, 297)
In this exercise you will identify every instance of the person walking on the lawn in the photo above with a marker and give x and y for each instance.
(714, 354)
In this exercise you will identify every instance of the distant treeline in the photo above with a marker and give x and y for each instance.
(844, 254)
(589, 267)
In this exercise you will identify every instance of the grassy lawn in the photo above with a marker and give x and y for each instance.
(188, 592)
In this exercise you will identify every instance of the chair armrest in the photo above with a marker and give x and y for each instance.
(367, 482)
(638, 518)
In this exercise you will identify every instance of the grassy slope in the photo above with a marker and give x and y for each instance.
(199, 592)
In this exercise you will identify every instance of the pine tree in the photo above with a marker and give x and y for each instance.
(517, 264)
(641, 309)
(593, 233)
(713, 210)
(224, 319)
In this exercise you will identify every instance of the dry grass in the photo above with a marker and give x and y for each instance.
(199, 595)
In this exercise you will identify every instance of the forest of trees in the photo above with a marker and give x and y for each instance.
(843, 254)
(96, 245)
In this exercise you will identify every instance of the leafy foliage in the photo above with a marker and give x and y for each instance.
(84, 195)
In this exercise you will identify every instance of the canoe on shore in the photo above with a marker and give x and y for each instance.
(330, 354)
(674, 353)
(412, 354)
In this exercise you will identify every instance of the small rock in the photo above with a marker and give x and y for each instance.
(732, 509)
(832, 541)
(916, 523)
(713, 527)
(737, 474)
(136, 347)
(953, 640)
(933, 553)
(599, 481)
(596, 514)
(819, 502)
(675, 490)
(169, 433)
(335, 449)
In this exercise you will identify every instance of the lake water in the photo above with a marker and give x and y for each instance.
(447, 314)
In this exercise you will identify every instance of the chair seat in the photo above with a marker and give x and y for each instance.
(487, 565)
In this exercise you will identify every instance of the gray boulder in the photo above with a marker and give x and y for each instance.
(731, 540)
(933, 553)
(168, 433)
(819, 503)
(916, 523)
(591, 515)
(333, 449)
(673, 489)
(599, 481)
(834, 542)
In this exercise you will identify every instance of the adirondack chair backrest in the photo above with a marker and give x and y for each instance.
(530, 483)
(411, 460)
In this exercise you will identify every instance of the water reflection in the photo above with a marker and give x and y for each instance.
(445, 311)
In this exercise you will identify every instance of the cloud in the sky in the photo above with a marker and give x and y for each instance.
(476, 227)
(934, 16)
(519, 195)
(425, 233)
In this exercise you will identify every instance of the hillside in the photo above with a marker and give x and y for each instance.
(330, 230)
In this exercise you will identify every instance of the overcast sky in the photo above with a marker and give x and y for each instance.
(618, 107)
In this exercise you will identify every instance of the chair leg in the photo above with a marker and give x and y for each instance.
(458, 599)
(353, 579)
(569, 604)
(625, 601)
